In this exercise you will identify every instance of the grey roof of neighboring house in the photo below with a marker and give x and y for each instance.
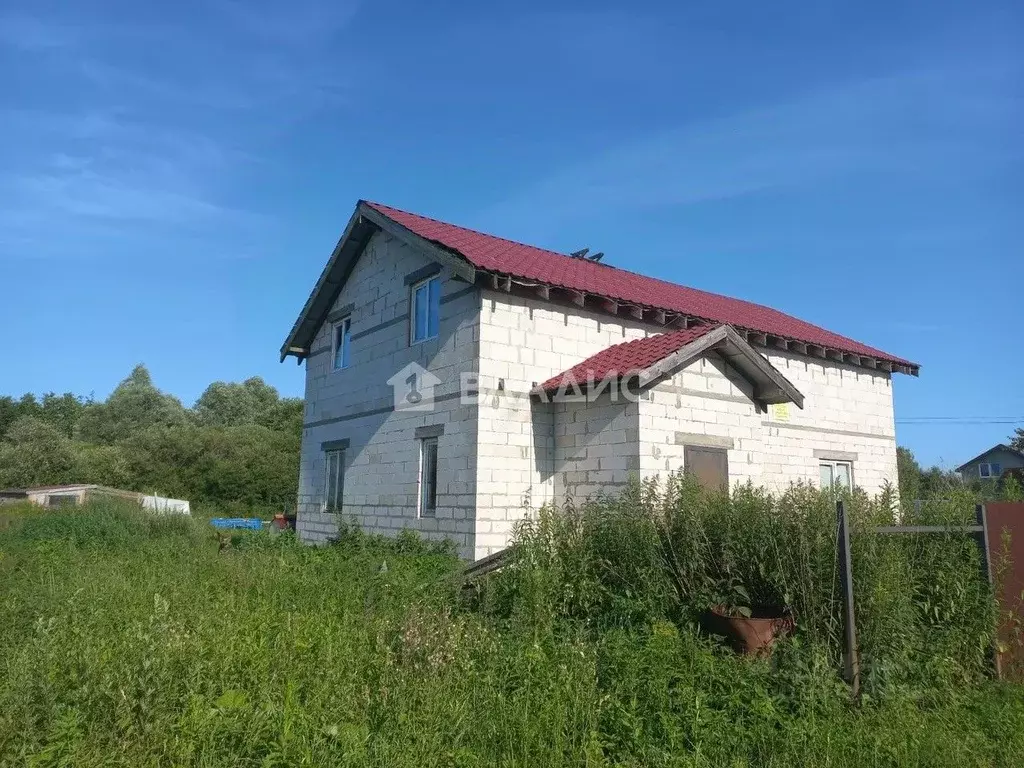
(993, 449)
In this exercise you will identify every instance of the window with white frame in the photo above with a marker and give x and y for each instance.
(837, 475)
(426, 310)
(342, 343)
(990, 469)
(335, 485)
(428, 477)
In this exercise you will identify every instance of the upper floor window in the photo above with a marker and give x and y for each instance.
(426, 310)
(342, 343)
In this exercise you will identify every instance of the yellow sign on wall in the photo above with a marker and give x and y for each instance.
(780, 411)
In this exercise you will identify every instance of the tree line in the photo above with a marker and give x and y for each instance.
(238, 446)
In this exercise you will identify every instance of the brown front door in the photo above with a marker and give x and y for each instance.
(709, 465)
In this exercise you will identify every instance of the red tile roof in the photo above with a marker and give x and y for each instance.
(625, 359)
(507, 257)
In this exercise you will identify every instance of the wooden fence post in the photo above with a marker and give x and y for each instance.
(981, 521)
(851, 663)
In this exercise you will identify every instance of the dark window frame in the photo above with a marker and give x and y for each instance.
(427, 496)
(337, 503)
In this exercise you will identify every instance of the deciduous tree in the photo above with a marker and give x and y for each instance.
(1017, 440)
(34, 452)
(133, 406)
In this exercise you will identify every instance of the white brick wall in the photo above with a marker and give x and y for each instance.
(524, 341)
(382, 461)
(846, 411)
(596, 445)
(700, 405)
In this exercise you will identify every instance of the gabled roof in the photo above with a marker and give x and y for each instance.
(993, 449)
(625, 359)
(656, 356)
(530, 266)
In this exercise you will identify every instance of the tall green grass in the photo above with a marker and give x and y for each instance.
(131, 640)
(671, 551)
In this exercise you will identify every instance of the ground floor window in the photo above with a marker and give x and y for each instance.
(335, 479)
(709, 465)
(428, 477)
(835, 474)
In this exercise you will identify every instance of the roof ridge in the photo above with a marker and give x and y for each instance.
(557, 253)
(624, 270)
(498, 255)
(469, 229)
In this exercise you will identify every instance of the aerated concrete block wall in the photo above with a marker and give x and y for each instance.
(524, 342)
(356, 403)
(847, 416)
(596, 445)
(706, 405)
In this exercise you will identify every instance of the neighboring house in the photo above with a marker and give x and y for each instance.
(456, 382)
(991, 464)
(72, 495)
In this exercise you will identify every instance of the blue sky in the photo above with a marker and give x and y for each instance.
(173, 176)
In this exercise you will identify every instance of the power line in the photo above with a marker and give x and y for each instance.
(960, 420)
(1014, 418)
(950, 422)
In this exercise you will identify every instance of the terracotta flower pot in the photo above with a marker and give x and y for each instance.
(754, 635)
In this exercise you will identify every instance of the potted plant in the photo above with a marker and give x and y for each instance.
(750, 627)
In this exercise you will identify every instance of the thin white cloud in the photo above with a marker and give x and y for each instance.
(162, 136)
(918, 123)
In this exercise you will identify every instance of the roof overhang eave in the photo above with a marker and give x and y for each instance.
(674, 318)
(365, 221)
(351, 243)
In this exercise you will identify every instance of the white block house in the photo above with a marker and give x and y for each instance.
(456, 382)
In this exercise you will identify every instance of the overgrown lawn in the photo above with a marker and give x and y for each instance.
(131, 640)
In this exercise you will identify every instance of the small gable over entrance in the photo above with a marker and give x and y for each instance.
(639, 364)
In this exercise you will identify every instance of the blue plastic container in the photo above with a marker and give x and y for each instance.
(253, 523)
